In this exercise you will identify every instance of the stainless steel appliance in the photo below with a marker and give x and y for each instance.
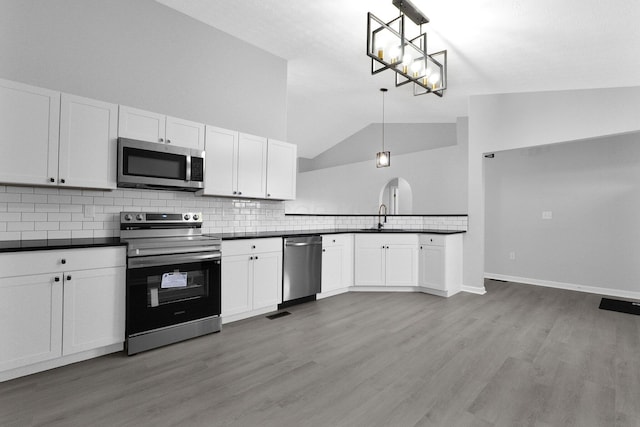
(173, 279)
(143, 164)
(302, 269)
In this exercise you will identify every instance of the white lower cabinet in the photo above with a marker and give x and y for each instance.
(386, 260)
(251, 277)
(441, 263)
(94, 312)
(337, 264)
(68, 311)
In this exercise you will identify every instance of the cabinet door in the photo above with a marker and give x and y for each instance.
(401, 265)
(221, 162)
(185, 133)
(236, 295)
(94, 309)
(281, 170)
(332, 268)
(369, 261)
(252, 166)
(88, 143)
(29, 125)
(432, 267)
(140, 124)
(267, 279)
(31, 331)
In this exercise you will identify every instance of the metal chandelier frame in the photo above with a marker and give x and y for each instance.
(390, 49)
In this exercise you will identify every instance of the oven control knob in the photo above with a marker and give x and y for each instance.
(139, 217)
(195, 217)
(128, 217)
(186, 217)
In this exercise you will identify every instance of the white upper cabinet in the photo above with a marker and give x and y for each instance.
(154, 127)
(235, 164)
(221, 162)
(282, 160)
(185, 133)
(243, 165)
(143, 125)
(252, 166)
(88, 143)
(29, 128)
(56, 140)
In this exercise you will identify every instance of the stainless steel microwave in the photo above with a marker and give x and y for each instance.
(143, 164)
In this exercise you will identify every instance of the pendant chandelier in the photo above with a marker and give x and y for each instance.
(390, 49)
(383, 158)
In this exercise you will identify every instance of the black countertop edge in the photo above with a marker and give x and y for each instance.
(295, 233)
(375, 214)
(50, 244)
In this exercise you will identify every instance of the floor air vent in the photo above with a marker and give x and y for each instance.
(278, 314)
(620, 306)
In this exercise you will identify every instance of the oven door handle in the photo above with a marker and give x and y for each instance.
(169, 260)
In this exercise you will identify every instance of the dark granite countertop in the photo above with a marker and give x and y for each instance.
(293, 233)
(37, 245)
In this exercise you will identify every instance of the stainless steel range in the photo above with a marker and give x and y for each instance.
(173, 278)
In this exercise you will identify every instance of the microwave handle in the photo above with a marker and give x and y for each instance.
(188, 175)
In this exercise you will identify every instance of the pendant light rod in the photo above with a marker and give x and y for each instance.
(383, 90)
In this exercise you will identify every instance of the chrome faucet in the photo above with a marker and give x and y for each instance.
(380, 224)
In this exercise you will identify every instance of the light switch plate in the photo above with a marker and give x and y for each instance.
(547, 215)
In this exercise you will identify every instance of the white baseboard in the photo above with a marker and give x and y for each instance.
(567, 286)
(332, 293)
(241, 316)
(474, 290)
(60, 361)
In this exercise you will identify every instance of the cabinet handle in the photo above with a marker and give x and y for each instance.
(255, 258)
(387, 247)
(235, 192)
(239, 192)
(334, 240)
(324, 250)
(253, 246)
(168, 141)
(62, 181)
(52, 180)
(63, 261)
(56, 279)
(69, 277)
(161, 139)
(250, 257)
(420, 247)
(382, 246)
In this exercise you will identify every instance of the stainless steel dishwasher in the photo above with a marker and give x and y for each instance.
(302, 269)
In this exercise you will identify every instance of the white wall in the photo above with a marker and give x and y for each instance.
(499, 122)
(591, 187)
(437, 178)
(143, 54)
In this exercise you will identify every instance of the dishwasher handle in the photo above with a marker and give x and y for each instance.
(303, 244)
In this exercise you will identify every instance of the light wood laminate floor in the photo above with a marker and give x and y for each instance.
(519, 356)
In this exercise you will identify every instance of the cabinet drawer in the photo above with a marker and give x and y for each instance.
(251, 246)
(432, 239)
(329, 240)
(55, 261)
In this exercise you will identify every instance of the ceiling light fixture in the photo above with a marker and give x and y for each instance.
(383, 158)
(389, 49)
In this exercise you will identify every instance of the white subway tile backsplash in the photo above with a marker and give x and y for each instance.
(60, 213)
(58, 234)
(20, 226)
(31, 216)
(20, 207)
(58, 199)
(34, 198)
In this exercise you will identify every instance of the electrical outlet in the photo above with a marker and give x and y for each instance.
(89, 211)
(547, 215)
(512, 255)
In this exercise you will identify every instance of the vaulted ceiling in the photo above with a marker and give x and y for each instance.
(494, 46)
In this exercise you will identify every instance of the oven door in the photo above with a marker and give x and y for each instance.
(167, 290)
